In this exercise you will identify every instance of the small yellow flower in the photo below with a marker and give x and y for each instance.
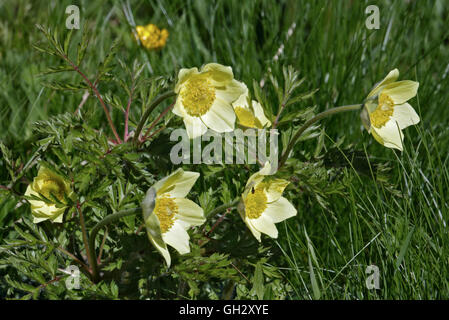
(262, 204)
(152, 37)
(387, 112)
(49, 184)
(205, 97)
(250, 113)
(173, 214)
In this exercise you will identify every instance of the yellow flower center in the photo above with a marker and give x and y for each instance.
(165, 210)
(255, 202)
(247, 118)
(197, 95)
(383, 112)
(48, 186)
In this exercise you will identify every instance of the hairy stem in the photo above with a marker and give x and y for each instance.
(276, 121)
(84, 232)
(318, 117)
(223, 207)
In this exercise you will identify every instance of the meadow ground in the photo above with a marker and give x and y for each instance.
(397, 222)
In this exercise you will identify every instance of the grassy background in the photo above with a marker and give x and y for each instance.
(399, 227)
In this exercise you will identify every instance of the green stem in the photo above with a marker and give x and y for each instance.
(84, 232)
(308, 123)
(148, 111)
(223, 207)
(109, 219)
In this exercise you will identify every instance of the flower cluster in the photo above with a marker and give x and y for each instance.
(212, 98)
(152, 37)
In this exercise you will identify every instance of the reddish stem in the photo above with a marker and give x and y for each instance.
(95, 90)
(218, 222)
(276, 121)
(157, 120)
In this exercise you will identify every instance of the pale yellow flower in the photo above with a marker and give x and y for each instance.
(151, 36)
(250, 112)
(205, 98)
(173, 214)
(262, 204)
(52, 186)
(387, 112)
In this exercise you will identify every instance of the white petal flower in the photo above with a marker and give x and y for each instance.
(173, 214)
(52, 186)
(262, 204)
(205, 97)
(387, 112)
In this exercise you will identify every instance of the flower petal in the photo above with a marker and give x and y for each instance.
(160, 246)
(219, 74)
(389, 135)
(242, 100)
(189, 212)
(195, 127)
(178, 109)
(364, 116)
(401, 91)
(405, 115)
(183, 76)
(253, 230)
(155, 236)
(37, 220)
(59, 218)
(220, 117)
(392, 76)
(260, 115)
(275, 189)
(232, 92)
(149, 202)
(34, 203)
(280, 210)
(257, 177)
(264, 224)
(177, 184)
(178, 238)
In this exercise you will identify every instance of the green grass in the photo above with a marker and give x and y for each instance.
(397, 222)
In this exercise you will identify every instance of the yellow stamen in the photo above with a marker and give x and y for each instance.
(255, 202)
(165, 210)
(383, 112)
(198, 95)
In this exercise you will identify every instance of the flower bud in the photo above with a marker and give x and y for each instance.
(54, 190)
